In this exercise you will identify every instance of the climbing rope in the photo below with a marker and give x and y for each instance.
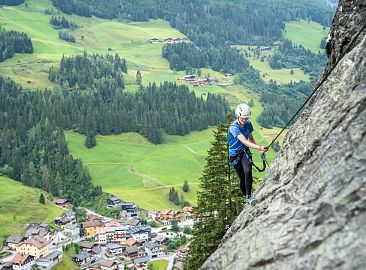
(321, 83)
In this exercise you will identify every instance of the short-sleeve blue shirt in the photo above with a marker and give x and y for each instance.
(234, 130)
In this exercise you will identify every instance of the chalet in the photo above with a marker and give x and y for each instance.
(154, 40)
(184, 40)
(93, 227)
(71, 215)
(59, 237)
(141, 233)
(23, 261)
(92, 217)
(72, 230)
(161, 239)
(152, 214)
(12, 241)
(130, 222)
(108, 265)
(168, 41)
(211, 80)
(113, 235)
(154, 250)
(82, 258)
(38, 229)
(167, 214)
(62, 221)
(114, 201)
(131, 252)
(50, 260)
(132, 242)
(114, 248)
(182, 253)
(190, 77)
(62, 202)
(187, 209)
(141, 261)
(129, 209)
(199, 82)
(35, 246)
(168, 235)
(177, 40)
(87, 246)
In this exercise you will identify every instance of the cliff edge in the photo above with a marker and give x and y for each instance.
(310, 210)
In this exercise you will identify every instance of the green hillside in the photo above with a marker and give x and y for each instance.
(19, 205)
(306, 33)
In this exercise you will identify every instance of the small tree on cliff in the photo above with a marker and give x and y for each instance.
(218, 204)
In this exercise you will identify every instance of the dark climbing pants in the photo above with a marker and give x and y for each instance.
(244, 170)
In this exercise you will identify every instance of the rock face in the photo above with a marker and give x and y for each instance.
(310, 211)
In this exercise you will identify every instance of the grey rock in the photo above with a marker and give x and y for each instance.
(310, 210)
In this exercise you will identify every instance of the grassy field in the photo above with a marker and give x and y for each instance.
(67, 263)
(129, 40)
(159, 264)
(129, 166)
(306, 33)
(19, 206)
(267, 73)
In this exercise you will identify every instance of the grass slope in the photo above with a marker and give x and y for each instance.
(159, 265)
(19, 206)
(306, 33)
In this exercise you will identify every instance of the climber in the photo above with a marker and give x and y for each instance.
(240, 137)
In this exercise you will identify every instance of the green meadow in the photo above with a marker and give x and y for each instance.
(158, 265)
(281, 76)
(307, 33)
(19, 205)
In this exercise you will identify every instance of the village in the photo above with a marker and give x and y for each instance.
(100, 243)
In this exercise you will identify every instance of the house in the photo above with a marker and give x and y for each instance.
(199, 82)
(38, 229)
(93, 227)
(87, 246)
(131, 252)
(182, 253)
(12, 241)
(154, 250)
(46, 263)
(6, 266)
(112, 223)
(141, 233)
(62, 221)
(168, 41)
(141, 261)
(96, 250)
(71, 215)
(115, 248)
(92, 217)
(72, 230)
(187, 209)
(226, 75)
(108, 265)
(190, 77)
(59, 238)
(82, 258)
(152, 214)
(112, 235)
(167, 214)
(62, 202)
(129, 209)
(35, 246)
(211, 80)
(161, 239)
(154, 40)
(184, 40)
(132, 242)
(23, 261)
(265, 48)
(131, 222)
(168, 235)
(114, 201)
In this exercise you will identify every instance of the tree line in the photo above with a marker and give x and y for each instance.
(62, 22)
(185, 56)
(82, 71)
(12, 42)
(11, 2)
(64, 35)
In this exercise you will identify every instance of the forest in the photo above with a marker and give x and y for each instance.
(12, 42)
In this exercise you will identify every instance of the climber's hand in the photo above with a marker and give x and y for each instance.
(263, 149)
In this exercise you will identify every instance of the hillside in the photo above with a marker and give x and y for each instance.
(310, 208)
(19, 205)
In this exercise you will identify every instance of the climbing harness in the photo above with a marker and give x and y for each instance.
(320, 84)
(248, 155)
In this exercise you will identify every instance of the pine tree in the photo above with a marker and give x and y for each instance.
(218, 202)
(185, 186)
(42, 199)
(138, 78)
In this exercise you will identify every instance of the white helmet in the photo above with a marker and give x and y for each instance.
(242, 110)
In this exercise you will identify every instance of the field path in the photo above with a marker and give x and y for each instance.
(191, 150)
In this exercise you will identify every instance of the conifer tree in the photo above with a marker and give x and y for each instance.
(42, 199)
(185, 186)
(218, 202)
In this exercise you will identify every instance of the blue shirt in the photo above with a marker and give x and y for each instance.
(234, 131)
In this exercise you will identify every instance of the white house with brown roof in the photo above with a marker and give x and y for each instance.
(35, 246)
(22, 261)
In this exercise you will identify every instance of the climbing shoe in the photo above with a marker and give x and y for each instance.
(248, 199)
